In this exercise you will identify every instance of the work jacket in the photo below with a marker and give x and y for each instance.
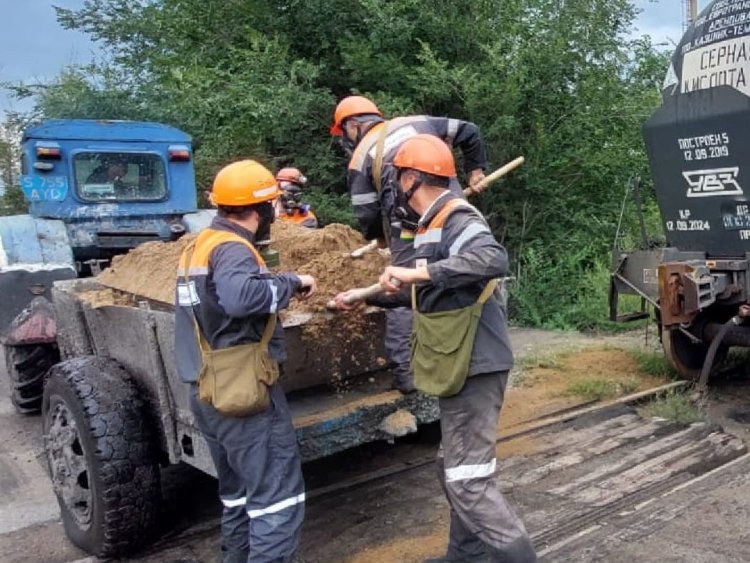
(231, 294)
(303, 217)
(461, 255)
(370, 206)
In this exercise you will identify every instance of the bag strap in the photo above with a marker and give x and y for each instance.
(488, 290)
(377, 176)
(203, 344)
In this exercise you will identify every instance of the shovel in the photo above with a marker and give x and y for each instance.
(360, 294)
(468, 192)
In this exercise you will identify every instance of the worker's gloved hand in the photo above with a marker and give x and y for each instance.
(394, 277)
(476, 176)
(344, 302)
(308, 286)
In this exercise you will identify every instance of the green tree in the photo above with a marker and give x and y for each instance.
(12, 201)
(562, 83)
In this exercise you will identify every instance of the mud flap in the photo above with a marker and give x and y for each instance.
(19, 287)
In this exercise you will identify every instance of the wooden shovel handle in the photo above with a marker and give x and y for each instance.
(500, 172)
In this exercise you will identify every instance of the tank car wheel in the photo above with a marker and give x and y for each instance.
(685, 355)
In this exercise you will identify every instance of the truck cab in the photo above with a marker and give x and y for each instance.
(113, 184)
(95, 189)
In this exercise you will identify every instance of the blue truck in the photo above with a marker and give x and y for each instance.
(95, 189)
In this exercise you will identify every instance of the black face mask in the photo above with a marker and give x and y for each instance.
(347, 145)
(267, 216)
(405, 212)
(291, 199)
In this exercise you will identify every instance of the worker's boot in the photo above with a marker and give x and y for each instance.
(403, 380)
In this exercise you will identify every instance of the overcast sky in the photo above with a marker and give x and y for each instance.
(34, 47)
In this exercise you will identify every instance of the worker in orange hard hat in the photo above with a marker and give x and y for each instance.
(289, 206)
(373, 142)
(227, 304)
(452, 290)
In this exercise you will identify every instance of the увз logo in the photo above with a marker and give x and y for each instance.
(714, 182)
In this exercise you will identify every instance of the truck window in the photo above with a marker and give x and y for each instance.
(119, 176)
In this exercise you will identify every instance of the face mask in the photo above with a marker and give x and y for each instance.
(291, 199)
(267, 216)
(405, 212)
(347, 145)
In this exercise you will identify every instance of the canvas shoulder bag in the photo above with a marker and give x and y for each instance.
(442, 344)
(234, 380)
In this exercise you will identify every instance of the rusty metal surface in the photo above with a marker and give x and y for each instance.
(685, 288)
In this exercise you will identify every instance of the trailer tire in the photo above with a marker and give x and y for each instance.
(102, 455)
(26, 366)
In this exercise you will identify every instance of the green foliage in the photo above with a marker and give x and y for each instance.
(12, 202)
(331, 208)
(598, 389)
(654, 363)
(561, 83)
(676, 406)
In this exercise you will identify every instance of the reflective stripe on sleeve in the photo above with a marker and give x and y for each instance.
(274, 508)
(452, 130)
(429, 236)
(464, 472)
(364, 199)
(468, 233)
(274, 296)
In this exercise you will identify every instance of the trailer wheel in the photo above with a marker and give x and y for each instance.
(101, 455)
(26, 366)
(685, 355)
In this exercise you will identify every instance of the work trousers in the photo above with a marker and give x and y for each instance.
(260, 480)
(481, 523)
(398, 321)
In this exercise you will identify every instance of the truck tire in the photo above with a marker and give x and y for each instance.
(26, 366)
(102, 457)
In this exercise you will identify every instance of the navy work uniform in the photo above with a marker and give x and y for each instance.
(256, 457)
(370, 207)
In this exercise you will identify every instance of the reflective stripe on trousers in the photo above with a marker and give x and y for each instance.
(260, 480)
(481, 519)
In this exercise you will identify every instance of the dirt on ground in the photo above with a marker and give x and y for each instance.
(548, 385)
(150, 270)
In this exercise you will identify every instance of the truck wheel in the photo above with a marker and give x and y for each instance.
(102, 457)
(26, 367)
(685, 355)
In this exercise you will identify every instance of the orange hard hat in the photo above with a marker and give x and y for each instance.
(426, 153)
(245, 182)
(291, 175)
(350, 107)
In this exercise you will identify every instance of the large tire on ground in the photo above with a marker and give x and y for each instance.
(100, 446)
(27, 366)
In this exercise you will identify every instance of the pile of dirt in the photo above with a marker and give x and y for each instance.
(150, 270)
(106, 297)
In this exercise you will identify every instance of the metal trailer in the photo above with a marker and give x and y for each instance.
(115, 411)
(697, 143)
